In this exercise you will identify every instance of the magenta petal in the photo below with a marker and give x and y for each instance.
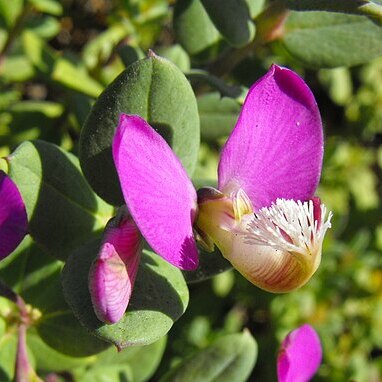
(112, 275)
(157, 191)
(13, 216)
(299, 356)
(276, 148)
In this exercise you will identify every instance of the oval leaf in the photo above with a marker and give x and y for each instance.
(154, 89)
(49, 177)
(49, 359)
(143, 360)
(106, 373)
(194, 29)
(8, 347)
(327, 40)
(233, 20)
(229, 359)
(58, 327)
(159, 298)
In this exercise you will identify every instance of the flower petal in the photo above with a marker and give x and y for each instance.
(112, 275)
(299, 356)
(157, 191)
(276, 148)
(13, 216)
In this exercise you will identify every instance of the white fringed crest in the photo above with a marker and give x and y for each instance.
(288, 225)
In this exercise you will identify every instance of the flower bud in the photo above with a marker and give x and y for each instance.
(113, 272)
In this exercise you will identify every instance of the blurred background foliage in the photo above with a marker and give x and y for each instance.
(56, 57)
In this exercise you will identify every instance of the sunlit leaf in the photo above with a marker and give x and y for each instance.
(52, 7)
(327, 40)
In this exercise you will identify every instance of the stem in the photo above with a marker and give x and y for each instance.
(23, 369)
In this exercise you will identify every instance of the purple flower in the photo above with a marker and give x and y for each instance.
(264, 217)
(299, 356)
(13, 216)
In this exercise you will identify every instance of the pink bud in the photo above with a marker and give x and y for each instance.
(112, 274)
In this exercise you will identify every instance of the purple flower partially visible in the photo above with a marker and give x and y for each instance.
(13, 216)
(299, 356)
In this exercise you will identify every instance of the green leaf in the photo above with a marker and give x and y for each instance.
(59, 69)
(45, 27)
(160, 297)
(106, 373)
(255, 7)
(48, 109)
(233, 20)
(58, 327)
(205, 173)
(27, 267)
(31, 120)
(218, 116)
(338, 83)
(3, 324)
(129, 54)
(49, 359)
(53, 7)
(155, 89)
(177, 55)
(9, 11)
(8, 344)
(80, 106)
(327, 40)
(62, 209)
(17, 68)
(98, 50)
(194, 29)
(75, 78)
(135, 363)
(143, 360)
(39, 54)
(229, 359)
(363, 7)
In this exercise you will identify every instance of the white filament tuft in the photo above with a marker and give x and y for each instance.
(288, 225)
